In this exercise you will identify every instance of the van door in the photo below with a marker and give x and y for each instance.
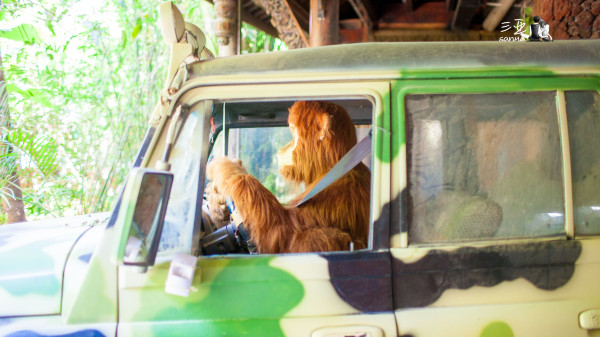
(311, 294)
(498, 219)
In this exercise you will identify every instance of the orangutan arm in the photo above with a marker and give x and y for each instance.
(271, 224)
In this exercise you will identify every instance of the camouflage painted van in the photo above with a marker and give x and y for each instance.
(484, 206)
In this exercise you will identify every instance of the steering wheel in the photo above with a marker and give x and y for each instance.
(230, 238)
(206, 223)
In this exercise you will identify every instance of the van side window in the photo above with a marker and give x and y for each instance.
(185, 162)
(583, 117)
(483, 166)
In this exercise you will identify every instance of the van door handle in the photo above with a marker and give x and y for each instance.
(349, 331)
(590, 319)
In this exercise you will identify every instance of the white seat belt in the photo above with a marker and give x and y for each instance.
(347, 163)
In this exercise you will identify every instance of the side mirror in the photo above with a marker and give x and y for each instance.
(141, 216)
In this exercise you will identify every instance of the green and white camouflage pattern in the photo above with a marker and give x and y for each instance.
(66, 277)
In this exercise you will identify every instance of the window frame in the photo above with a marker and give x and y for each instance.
(376, 91)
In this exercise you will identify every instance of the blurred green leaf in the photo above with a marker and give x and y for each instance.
(50, 27)
(123, 39)
(137, 29)
(25, 33)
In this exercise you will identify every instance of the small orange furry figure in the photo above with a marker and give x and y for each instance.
(323, 133)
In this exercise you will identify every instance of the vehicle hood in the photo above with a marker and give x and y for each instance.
(32, 260)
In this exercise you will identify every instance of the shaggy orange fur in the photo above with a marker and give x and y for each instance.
(331, 219)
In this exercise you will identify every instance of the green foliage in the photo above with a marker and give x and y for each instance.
(256, 41)
(83, 77)
(23, 33)
(85, 88)
(527, 15)
(25, 154)
(37, 152)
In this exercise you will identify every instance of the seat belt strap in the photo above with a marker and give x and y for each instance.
(343, 166)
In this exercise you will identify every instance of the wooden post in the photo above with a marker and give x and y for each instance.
(493, 19)
(324, 22)
(286, 23)
(226, 28)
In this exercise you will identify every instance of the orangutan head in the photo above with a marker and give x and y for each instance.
(323, 132)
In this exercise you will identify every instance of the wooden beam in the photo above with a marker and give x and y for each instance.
(256, 22)
(425, 16)
(464, 13)
(450, 5)
(298, 11)
(283, 19)
(301, 14)
(493, 19)
(397, 35)
(413, 25)
(363, 15)
(324, 22)
(361, 11)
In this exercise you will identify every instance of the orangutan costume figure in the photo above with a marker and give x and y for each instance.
(323, 133)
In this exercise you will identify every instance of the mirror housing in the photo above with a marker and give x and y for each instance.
(141, 216)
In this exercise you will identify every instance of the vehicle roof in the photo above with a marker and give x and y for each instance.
(405, 58)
